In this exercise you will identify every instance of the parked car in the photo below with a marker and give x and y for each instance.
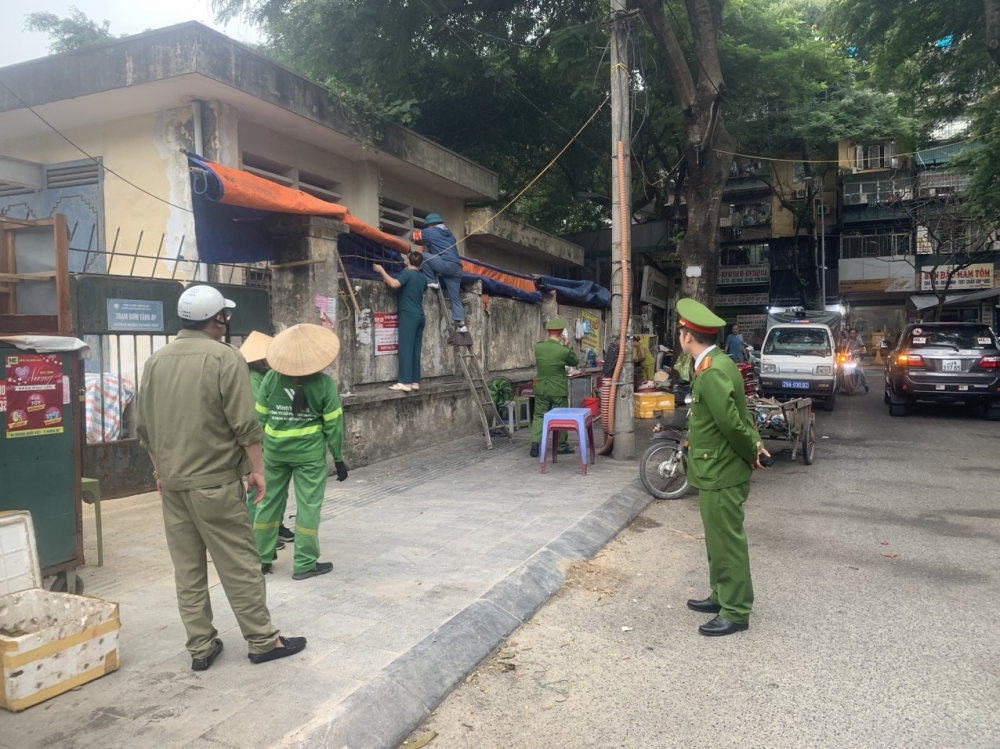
(799, 360)
(945, 363)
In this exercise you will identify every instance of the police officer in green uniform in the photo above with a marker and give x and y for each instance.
(724, 448)
(552, 356)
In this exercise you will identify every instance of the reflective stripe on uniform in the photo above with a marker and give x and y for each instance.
(280, 434)
(333, 415)
(266, 526)
(261, 409)
(306, 531)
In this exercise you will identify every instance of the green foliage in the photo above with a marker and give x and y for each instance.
(933, 56)
(73, 32)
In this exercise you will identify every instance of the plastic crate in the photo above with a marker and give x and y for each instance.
(50, 642)
(646, 405)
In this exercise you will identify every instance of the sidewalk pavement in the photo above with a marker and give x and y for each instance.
(437, 556)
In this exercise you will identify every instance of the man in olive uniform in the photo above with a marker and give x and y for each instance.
(552, 357)
(724, 448)
(198, 424)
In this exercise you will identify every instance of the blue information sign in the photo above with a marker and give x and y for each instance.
(135, 316)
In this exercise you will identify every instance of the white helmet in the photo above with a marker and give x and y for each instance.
(200, 303)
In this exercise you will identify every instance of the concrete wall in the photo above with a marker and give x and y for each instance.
(507, 260)
(146, 151)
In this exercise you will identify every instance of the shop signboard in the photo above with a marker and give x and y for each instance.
(752, 328)
(735, 275)
(740, 300)
(655, 288)
(874, 275)
(976, 276)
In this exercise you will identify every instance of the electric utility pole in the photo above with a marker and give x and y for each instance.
(621, 220)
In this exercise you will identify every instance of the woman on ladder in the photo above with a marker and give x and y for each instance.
(299, 408)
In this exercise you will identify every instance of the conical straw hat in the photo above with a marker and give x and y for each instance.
(303, 349)
(254, 348)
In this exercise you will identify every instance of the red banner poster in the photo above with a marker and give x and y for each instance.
(34, 395)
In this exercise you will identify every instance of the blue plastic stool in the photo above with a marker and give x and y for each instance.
(580, 420)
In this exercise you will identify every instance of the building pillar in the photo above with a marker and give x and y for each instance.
(306, 267)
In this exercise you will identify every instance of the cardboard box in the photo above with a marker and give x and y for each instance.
(50, 642)
(647, 404)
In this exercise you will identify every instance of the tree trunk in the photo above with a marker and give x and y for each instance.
(699, 249)
(992, 9)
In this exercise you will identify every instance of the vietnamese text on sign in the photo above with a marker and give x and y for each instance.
(733, 275)
(386, 333)
(738, 300)
(978, 276)
(135, 316)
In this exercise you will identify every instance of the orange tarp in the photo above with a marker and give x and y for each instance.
(250, 191)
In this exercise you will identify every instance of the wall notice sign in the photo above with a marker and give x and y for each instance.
(752, 328)
(977, 276)
(732, 275)
(3, 395)
(34, 395)
(591, 340)
(386, 333)
(135, 316)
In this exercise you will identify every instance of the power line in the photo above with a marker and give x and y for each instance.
(100, 164)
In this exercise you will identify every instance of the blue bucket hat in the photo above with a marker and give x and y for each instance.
(433, 218)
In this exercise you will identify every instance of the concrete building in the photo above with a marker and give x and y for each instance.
(100, 135)
(133, 104)
(901, 226)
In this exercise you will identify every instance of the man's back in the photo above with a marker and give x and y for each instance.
(196, 412)
(551, 359)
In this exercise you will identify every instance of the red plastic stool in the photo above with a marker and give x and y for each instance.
(554, 426)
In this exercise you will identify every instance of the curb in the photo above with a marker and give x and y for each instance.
(381, 714)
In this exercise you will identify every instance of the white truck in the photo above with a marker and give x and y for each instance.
(799, 359)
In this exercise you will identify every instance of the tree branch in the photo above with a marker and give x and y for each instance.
(705, 31)
(670, 48)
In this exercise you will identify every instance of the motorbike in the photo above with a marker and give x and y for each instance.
(847, 371)
(663, 468)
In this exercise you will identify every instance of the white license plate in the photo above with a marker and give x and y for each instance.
(939, 387)
(794, 384)
(951, 365)
(963, 387)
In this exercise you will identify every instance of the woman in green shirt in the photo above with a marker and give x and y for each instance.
(299, 408)
(410, 284)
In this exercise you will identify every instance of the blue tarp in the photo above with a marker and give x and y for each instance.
(580, 292)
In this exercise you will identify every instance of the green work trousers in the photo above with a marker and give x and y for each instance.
(253, 508)
(728, 555)
(310, 486)
(215, 520)
(544, 404)
(411, 342)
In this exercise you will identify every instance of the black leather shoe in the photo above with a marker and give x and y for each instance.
(566, 451)
(707, 606)
(286, 534)
(292, 645)
(203, 664)
(321, 568)
(720, 627)
(533, 452)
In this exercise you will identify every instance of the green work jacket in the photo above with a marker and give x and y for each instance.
(722, 435)
(256, 380)
(300, 439)
(551, 359)
(195, 412)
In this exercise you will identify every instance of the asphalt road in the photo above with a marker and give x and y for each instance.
(875, 625)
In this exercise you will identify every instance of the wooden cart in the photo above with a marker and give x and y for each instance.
(792, 422)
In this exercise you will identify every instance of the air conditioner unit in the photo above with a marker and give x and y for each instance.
(800, 194)
(725, 222)
(824, 210)
(854, 199)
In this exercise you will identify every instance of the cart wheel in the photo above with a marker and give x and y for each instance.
(809, 443)
(59, 585)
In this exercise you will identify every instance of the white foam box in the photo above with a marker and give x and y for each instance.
(50, 642)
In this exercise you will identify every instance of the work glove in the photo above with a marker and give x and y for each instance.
(341, 471)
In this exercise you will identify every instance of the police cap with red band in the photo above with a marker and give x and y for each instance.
(699, 318)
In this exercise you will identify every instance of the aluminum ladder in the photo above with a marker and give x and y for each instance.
(478, 379)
